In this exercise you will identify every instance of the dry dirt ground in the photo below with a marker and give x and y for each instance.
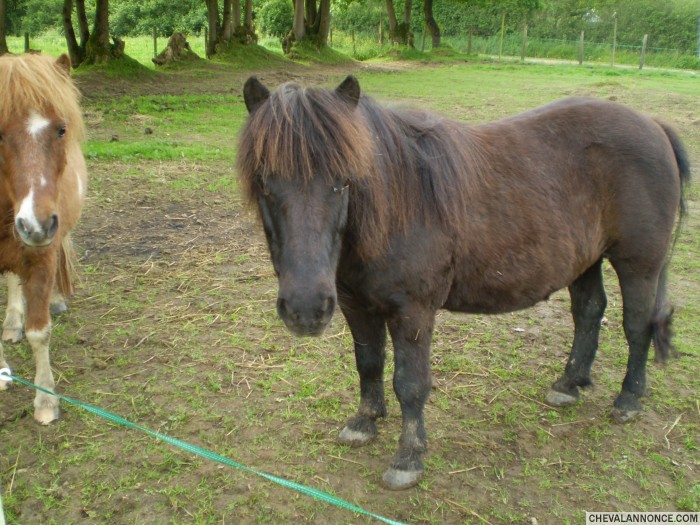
(177, 303)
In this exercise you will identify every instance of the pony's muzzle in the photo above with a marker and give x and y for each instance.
(306, 316)
(36, 234)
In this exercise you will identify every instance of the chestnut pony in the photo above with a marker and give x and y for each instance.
(42, 187)
(394, 214)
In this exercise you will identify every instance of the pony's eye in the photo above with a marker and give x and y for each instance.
(340, 189)
(61, 131)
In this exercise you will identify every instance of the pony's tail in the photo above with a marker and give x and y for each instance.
(661, 323)
(66, 270)
(683, 162)
(663, 313)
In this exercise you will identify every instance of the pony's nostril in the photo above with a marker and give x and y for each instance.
(23, 227)
(327, 307)
(52, 225)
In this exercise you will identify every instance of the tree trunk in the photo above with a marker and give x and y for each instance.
(3, 38)
(391, 15)
(213, 23)
(75, 51)
(325, 22)
(249, 16)
(236, 15)
(433, 28)
(310, 13)
(83, 24)
(98, 48)
(227, 26)
(298, 28)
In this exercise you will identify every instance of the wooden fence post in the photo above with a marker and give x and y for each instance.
(644, 51)
(503, 30)
(580, 50)
(614, 43)
(155, 42)
(522, 51)
(26, 42)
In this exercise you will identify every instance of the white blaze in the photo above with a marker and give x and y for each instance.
(36, 124)
(26, 211)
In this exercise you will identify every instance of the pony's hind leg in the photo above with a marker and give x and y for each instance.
(13, 327)
(3, 364)
(638, 309)
(369, 335)
(588, 304)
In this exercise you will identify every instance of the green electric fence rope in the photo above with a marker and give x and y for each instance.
(6, 374)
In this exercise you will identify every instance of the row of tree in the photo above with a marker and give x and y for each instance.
(672, 23)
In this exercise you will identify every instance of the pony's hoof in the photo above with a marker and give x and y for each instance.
(355, 438)
(621, 416)
(58, 308)
(46, 415)
(559, 399)
(12, 335)
(401, 479)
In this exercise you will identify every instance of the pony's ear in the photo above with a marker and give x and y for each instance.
(63, 64)
(349, 89)
(254, 93)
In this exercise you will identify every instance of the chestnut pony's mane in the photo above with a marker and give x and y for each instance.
(34, 83)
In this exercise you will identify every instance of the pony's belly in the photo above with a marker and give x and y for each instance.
(495, 300)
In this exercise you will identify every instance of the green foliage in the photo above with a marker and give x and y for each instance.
(274, 17)
(139, 17)
(670, 24)
(34, 16)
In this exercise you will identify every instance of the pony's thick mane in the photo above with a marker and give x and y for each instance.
(34, 83)
(401, 165)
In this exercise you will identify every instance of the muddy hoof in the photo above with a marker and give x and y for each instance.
(621, 416)
(355, 438)
(559, 399)
(401, 479)
(46, 415)
(58, 308)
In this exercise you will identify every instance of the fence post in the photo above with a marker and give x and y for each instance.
(503, 30)
(644, 51)
(26, 42)
(381, 30)
(580, 50)
(522, 51)
(614, 44)
(155, 42)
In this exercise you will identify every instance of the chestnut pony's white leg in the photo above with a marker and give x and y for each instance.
(13, 327)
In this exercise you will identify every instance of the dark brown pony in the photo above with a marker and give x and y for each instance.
(42, 187)
(396, 214)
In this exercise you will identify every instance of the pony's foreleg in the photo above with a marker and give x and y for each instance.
(13, 327)
(37, 293)
(369, 335)
(588, 304)
(411, 333)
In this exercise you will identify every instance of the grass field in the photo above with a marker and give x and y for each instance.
(174, 327)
